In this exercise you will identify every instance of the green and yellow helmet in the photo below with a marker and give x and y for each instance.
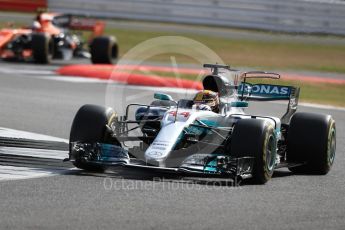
(208, 97)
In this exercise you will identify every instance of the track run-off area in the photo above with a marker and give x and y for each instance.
(39, 191)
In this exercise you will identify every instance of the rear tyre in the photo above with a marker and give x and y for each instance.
(89, 125)
(312, 142)
(103, 50)
(255, 138)
(42, 48)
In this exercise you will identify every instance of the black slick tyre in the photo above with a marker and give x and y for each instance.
(255, 138)
(89, 126)
(103, 50)
(42, 48)
(311, 142)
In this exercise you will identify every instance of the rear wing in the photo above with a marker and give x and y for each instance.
(80, 23)
(269, 92)
(264, 92)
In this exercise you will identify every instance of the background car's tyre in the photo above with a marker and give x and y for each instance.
(103, 50)
(42, 48)
(254, 137)
(311, 140)
(89, 125)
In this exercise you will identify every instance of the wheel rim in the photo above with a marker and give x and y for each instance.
(331, 146)
(270, 153)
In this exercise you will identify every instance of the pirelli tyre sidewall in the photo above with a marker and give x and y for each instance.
(269, 149)
(256, 138)
(312, 142)
(90, 126)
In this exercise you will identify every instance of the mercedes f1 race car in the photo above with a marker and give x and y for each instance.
(188, 137)
(50, 37)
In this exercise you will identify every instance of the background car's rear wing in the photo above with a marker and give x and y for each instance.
(80, 23)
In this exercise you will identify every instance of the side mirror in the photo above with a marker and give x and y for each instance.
(239, 104)
(163, 97)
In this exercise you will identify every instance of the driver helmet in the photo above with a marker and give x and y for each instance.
(36, 25)
(207, 98)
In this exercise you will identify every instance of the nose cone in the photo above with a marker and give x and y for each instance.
(164, 143)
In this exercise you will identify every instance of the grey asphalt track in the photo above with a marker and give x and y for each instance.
(37, 102)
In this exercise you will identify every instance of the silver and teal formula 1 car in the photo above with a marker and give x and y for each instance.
(175, 136)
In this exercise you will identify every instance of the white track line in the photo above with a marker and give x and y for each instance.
(19, 173)
(13, 133)
(31, 152)
(8, 70)
(311, 105)
(117, 84)
(320, 106)
(73, 79)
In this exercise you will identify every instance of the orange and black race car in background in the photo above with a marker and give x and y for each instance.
(50, 37)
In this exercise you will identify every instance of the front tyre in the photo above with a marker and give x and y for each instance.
(312, 142)
(42, 48)
(256, 138)
(89, 126)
